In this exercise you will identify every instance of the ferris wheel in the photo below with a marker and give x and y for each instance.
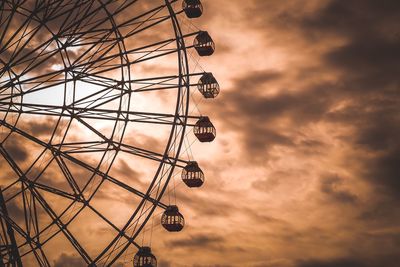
(95, 109)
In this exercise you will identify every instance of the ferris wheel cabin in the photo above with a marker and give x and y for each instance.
(144, 258)
(204, 44)
(192, 175)
(208, 85)
(204, 130)
(172, 220)
(192, 8)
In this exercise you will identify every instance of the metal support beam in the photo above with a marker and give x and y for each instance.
(14, 257)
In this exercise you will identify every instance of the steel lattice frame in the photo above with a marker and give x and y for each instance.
(91, 47)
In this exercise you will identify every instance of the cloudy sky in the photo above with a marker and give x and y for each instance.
(305, 169)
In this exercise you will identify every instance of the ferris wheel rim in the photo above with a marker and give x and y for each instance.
(168, 160)
(178, 35)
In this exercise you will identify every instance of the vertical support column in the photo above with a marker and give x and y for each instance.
(14, 257)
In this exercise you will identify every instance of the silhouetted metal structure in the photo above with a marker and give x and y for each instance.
(208, 85)
(172, 220)
(144, 258)
(204, 130)
(204, 44)
(192, 175)
(9, 255)
(81, 65)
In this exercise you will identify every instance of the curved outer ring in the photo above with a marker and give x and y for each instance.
(182, 97)
(181, 112)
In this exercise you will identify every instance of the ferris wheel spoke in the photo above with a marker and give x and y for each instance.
(142, 85)
(31, 186)
(52, 8)
(31, 183)
(43, 46)
(31, 219)
(30, 216)
(138, 29)
(18, 229)
(142, 50)
(68, 176)
(96, 23)
(62, 226)
(99, 65)
(96, 51)
(53, 190)
(4, 24)
(100, 146)
(134, 20)
(76, 5)
(97, 80)
(14, 61)
(81, 113)
(160, 83)
(84, 147)
(8, 237)
(95, 57)
(120, 231)
(11, 163)
(135, 191)
(86, 203)
(101, 114)
(19, 172)
(88, 15)
(155, 86)
(117, 243)
(160, 51)
(17, 31)
(151, 155)
(84, 165)
(54, 78)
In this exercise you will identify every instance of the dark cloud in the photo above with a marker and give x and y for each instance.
(387, 260)
(331, 263)
(164, 263)
(366, 63)
(197, 241)
(332, 186)
(214, 208)
(350, 19)
(37, 127)
(376, 129)
(275, 179)
(126, 170)
(256, 116)
(16, 211)
(384, 171)
(257, 216)
(381, 210)
(66, 260)
(17, 151)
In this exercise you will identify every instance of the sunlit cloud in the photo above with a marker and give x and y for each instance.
(304, 171)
